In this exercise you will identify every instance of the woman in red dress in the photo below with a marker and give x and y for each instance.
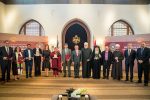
(56, 61)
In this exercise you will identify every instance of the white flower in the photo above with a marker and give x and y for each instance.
(78, 92)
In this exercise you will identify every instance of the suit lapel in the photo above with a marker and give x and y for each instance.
(5, 50)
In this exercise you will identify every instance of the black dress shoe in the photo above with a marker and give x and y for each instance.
(139, 81)
(8, 80)
(104, 77)
(131, 80)
(126, 80)
(3, 82)
(145, 84)
(107, 78)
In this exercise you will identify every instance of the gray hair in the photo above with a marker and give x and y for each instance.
(85, 43)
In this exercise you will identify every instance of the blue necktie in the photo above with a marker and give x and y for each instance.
(142, 50)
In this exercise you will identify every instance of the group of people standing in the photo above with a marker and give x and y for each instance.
(91, 61)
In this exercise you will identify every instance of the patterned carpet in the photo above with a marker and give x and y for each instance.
(43, 88)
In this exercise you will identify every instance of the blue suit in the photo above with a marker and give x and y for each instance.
(129, 62)
(28, 62)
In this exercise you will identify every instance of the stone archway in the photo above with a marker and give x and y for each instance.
(74, 22)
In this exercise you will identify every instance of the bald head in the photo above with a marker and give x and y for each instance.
(117, 46)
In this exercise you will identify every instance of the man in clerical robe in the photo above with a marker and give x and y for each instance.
(66, 60)
(117, 62)
(86, 58)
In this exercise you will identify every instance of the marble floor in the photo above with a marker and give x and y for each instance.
(43, 88)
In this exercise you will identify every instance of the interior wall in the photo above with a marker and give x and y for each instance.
(98, 17)
(149, 17)
(2, 15)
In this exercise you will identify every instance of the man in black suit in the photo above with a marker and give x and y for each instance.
(37, 60)
(106, 61)
(130, 55)
(6, 54)
(143, 55)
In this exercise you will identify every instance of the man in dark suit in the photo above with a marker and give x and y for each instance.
(86, 60)
(6, 54)
(37, 60)
(143, 55)
(66, 60)
(130, 56)
(106, 61)
(28, 56)
(76, 60)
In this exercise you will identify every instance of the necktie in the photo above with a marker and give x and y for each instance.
(129, 52)
(142, 50)
(7, 50)
(29, 54)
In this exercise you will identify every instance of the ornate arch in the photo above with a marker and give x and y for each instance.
(72, 22)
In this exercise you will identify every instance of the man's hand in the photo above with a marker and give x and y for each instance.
(80, 63)
(116, 58)
(5, 58)
(10, 58)
(140, 61)
(72, 63)
(88, 59)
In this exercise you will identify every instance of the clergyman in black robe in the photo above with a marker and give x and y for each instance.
(97, 62)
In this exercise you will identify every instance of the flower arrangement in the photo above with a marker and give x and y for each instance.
(77, 93)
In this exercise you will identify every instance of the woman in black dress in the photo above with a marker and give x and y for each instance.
(46, 59)
(96, 59)
(17, 63)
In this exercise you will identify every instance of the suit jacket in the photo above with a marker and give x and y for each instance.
(3, 52)
(76, 58)
(86, 54)
(25, 53)
(34, 51)
(119, 55)
(110, 57)
(63, 54)
(144, 56)
(129, 59)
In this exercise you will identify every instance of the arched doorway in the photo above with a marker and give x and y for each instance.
(75, 32)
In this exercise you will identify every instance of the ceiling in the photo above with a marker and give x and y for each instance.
(135, 2)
